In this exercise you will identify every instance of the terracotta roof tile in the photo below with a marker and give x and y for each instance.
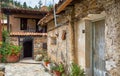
(23, 11)
(27, 34)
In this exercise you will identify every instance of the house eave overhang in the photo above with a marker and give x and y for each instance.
(50, 16)
(63, 5)
(7, 10)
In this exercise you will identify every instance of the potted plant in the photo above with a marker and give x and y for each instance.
(3, 52)
(0, 57)
(0, 51)
(46, 61)
(13, 53)
(58, 70)
(76, 70)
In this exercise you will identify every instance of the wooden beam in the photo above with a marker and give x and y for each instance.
(61, 7)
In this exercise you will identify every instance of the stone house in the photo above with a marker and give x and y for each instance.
(24, 31)
(87, 32)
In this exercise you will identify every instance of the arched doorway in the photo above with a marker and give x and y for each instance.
(27, 47)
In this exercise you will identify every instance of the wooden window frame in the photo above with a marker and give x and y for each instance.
(23, 24)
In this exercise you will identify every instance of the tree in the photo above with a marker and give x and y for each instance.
(30, 7)
(6, 1)
(40, 3)
(24, 5)
(11, 1)
(50, 7)
(15, 3)
(36, 7)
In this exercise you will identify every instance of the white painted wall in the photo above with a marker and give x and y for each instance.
(81, 43)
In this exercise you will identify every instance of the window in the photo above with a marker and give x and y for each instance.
(23, 24)
(44, 45)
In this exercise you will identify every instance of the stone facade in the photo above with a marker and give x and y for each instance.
(60, 51)
(81, 11)
(80, 42)
(14, 40)
(14, 21)
(37, 44)
(112, 33)
(111, 8)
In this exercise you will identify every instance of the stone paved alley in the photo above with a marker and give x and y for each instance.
(25, 68)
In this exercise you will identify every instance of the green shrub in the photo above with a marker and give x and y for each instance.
(76, 70)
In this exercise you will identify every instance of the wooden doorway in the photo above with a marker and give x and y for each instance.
(98, 48)
(28, 48)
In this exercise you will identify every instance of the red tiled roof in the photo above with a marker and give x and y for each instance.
(7, 10)
(27, 34)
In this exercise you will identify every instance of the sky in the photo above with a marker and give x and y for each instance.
(32, 3)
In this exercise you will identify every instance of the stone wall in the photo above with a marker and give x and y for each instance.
(15, 23)
(59, 49)
(112, 32)
(86, 7)
(14, 40)
(38, 45)
(80, 42)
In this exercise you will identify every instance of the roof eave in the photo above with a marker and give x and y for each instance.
(59, 9)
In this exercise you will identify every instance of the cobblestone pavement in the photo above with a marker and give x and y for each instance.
(25, 69)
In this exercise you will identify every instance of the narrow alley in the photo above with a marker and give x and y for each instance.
(25, 68)
(63, 37)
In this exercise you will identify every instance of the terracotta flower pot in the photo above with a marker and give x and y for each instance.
(46, 63)
(12, 58)
(0, 56)
(57, 73)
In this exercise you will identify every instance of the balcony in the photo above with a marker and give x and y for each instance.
(37, 30)
(31, 32)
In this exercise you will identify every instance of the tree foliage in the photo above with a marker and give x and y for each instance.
(7, 3)
(36, 7)
(50, 7)
(40, 3)
(24, 5)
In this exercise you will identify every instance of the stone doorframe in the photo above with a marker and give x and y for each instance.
(88, 43)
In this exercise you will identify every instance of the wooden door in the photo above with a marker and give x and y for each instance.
(99, 48)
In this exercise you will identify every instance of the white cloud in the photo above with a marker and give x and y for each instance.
(35, 2)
